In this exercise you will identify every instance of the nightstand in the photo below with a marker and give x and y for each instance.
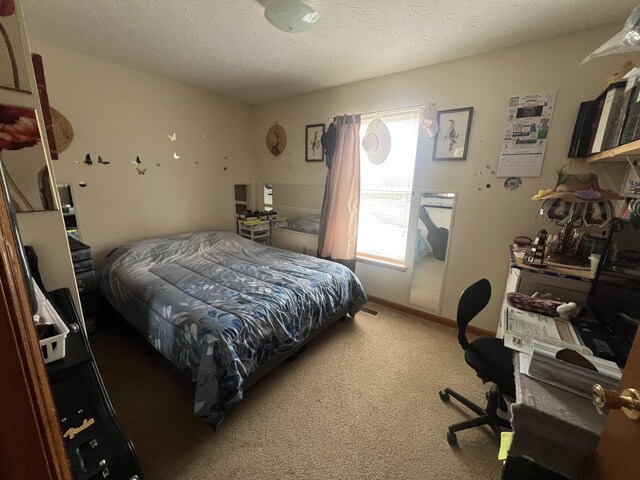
(256, 230)
(90, 298)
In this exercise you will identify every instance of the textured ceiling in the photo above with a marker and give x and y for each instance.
(228, 47)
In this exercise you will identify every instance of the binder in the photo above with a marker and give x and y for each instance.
(583, 130)
(611, 98)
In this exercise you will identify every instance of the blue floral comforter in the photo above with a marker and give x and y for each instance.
(219, 306)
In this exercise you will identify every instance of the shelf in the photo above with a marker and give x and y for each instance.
(618, 154)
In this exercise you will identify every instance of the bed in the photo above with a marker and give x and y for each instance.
(222, 308)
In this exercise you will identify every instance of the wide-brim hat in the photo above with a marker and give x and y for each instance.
(578, 188)
(62, 130)
(377, 141)
(276, 139)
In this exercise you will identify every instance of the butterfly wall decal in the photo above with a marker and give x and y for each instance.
(87, 160)
(137, 161)
(176, 156)
(172, 137)
(103, 162)
(141, 171)
(82, 184)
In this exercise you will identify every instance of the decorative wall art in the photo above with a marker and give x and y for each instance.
(631, 185)
(452, 140)
(11, 50)
(276, 139)
(313, 151)
(24, 160)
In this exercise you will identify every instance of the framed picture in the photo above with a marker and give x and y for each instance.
(313, 148)
(452, 140)
(631, 186)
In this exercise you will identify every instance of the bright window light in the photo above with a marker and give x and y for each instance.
(386, 189)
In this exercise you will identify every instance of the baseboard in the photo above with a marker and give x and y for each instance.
(432, 317)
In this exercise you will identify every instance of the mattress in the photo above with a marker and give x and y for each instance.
(219, 306)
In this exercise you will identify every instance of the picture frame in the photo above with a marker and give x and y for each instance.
(313, 151)
(631, 185)
(452, 139)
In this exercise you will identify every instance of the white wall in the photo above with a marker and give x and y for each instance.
(120, 113)
(486, 219)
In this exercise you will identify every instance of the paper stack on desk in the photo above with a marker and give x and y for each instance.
(544, 366)
(521, 328)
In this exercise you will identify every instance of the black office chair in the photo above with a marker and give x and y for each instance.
(491, 360)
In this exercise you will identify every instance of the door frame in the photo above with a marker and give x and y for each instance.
(31, 443)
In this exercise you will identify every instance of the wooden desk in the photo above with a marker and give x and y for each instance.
(568, 284)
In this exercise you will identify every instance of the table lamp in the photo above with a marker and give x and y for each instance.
(576, 201)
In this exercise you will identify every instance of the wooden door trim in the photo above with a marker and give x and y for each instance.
(30, 438)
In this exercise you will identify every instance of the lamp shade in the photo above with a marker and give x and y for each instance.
(291, 16)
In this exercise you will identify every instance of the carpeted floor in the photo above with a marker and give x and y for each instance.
(360, 403)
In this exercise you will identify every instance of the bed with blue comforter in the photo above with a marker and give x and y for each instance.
(219, 306)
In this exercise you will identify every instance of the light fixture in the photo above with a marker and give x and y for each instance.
(291, 16)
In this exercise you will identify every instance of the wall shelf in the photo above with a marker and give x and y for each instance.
(617, 154)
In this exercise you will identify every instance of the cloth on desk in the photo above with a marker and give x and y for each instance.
(554, 427)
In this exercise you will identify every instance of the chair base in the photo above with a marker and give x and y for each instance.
(485, 416)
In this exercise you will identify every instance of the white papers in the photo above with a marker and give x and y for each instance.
(525, 134)
(522, 328)
(523, 322)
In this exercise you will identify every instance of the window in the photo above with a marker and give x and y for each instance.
(386, 189)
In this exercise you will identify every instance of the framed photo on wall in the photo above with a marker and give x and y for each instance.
(313, 147)
(631, 186)
(452, 140)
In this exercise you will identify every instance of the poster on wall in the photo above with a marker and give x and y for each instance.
(13, 66)
(525, 134)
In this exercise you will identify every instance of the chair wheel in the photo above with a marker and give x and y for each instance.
(444, 396)
(452, 439)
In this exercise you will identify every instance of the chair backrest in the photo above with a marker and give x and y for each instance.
(472, 301)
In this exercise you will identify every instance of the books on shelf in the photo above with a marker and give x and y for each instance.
(609, 121)
(580, 141)
(631, 128)
(618, 113)
(611, 101)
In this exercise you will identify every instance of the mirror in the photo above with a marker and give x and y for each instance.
(298, 206)
(435, 217)
(24, 160)
(68, 210)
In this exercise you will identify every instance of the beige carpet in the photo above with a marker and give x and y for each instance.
(360, 403)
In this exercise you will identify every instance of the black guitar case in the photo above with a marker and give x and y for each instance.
(436, 236)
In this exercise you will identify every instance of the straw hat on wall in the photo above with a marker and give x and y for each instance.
(276, 139)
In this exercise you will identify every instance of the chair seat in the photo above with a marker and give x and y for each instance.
(493, 362)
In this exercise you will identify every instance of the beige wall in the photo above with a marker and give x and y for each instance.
(486, 219)
(120, 113)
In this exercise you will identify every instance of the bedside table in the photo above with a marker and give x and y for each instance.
(90, 298)
(256, 230)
